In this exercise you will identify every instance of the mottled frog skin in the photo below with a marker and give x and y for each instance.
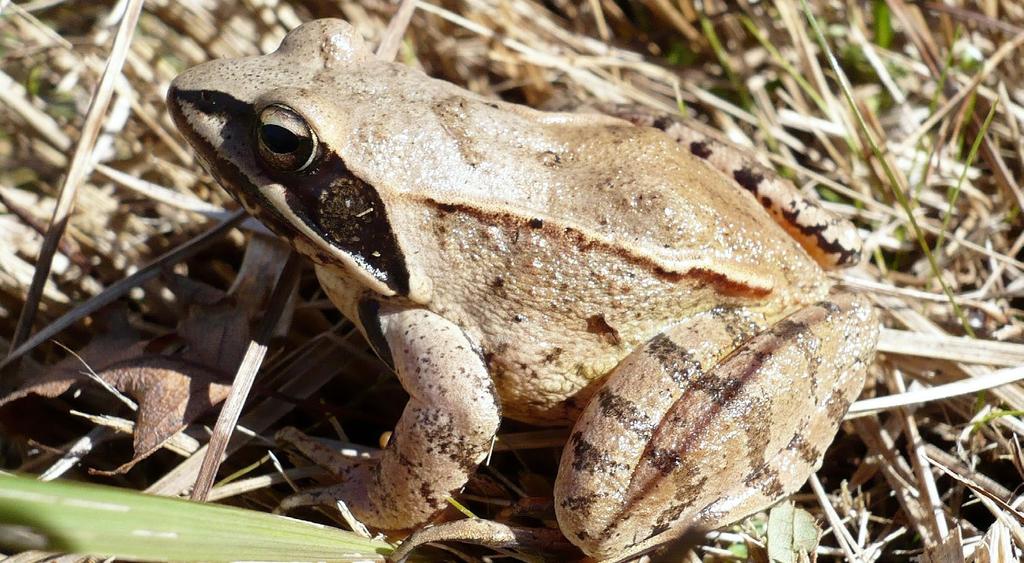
(655, 292)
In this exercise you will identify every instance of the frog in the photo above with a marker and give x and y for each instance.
(658, 293)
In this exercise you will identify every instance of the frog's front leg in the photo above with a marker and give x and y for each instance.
(444, 433)
(708, 422)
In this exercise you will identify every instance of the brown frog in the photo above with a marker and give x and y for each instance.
(553, 268)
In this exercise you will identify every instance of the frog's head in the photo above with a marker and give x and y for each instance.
(270, 129)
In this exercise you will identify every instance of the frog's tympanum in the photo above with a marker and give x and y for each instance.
(553, 268)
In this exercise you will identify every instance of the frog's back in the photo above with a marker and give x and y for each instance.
(559, 242)
(637, 186)
(602, 181)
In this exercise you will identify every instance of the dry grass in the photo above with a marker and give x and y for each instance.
(918, 141)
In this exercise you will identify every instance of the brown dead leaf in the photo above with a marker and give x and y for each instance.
(257, 276)
(171, 390)
(215, 334)
(216, 328)
(171, 393)
(118, 343)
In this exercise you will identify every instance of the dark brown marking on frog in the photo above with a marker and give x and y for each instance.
(403, 459)
(819, 231)
(758, 434)
(718, 280)
(700, 149)
(369, 316)
(787, 330)
(590, 458)
(349, 215)
(439, 431)
(722, 389)
(807, 452)
(683, 499)
(388, 503)
(688, 482)
(663, 122)
(625, 412)
(536, 223)
(767, 480)
(550, 159)
(749, 179)
(552, 355)
(739, 327)
(427, 493)
(665, 461)
(597, 324)
(443, 439)
(676, 361)
(836, 406)
(583, 504)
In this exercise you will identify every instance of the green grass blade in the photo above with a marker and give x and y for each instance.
(723, 59)
(107, 521)
(781, 61)
(954, 195)
(894, 185)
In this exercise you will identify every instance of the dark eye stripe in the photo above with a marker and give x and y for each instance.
(317, 197)
(347, 213)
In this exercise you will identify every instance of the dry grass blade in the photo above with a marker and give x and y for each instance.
(846, 542)
(244, 377)
(392, 39)
(953, 348)
(895, 186)
(81, 164)
(940, 392)
(115, 291)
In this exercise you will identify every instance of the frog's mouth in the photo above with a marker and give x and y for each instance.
(328, 205)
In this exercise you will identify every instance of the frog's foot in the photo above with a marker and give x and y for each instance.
(333, 459)
(832, 241)
(709, 422)
(488, 533)
(444, 433)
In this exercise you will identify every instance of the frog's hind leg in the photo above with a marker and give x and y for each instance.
(445, 431)
(709, 422)
(832, 241)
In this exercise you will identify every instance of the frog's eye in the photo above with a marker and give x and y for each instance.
(285, 140)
